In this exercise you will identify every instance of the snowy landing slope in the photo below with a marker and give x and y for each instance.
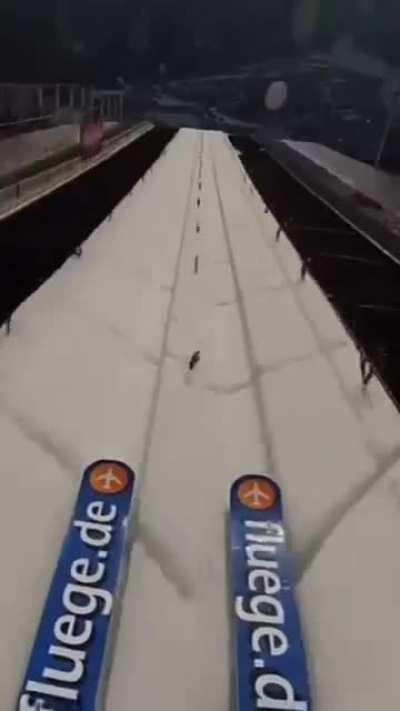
(97, 366)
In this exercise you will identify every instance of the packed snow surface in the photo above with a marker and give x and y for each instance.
(96, 365)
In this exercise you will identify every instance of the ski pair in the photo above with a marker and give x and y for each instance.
(71, 656)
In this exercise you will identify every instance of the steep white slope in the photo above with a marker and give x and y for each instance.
(97, 366)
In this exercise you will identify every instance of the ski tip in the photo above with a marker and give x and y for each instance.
(108, 476)
(257, 492)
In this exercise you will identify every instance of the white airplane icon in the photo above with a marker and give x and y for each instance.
(109, 478)
(256, 495)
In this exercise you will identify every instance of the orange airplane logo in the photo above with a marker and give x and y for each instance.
(109, 478)
(257, 494)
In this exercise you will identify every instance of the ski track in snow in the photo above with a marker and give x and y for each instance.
(195, 376)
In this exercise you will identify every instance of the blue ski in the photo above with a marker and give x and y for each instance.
(271, 669)
(68, 667)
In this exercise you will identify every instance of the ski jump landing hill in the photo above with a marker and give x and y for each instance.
(97, 365)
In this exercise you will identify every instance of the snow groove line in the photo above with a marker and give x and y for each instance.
(325, 349)
(49, 444)
(340, 512)
(248, 343)
(163, 351)
(383, 464)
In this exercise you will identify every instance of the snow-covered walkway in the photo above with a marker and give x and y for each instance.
(19, 195)
(375, 183)
(22, 150)
(97, 366)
